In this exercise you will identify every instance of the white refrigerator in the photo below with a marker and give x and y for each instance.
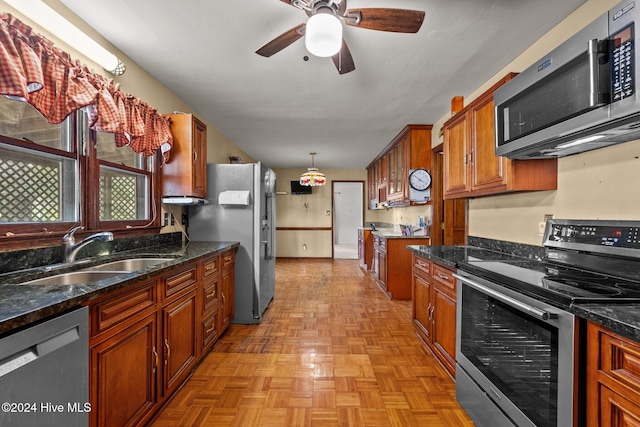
(241, 207)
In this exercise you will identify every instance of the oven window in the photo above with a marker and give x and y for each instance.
(516, 352)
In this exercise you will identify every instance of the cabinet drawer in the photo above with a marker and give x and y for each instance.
(211, 266)
(443, 276)
(210, 293)
(180, 281)
(209, 329)
(227, 259)
(116, 309)
(620, 359)
(422, 265)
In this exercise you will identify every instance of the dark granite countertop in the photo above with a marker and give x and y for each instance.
(623, 319)
(21, 305)
(452, 256)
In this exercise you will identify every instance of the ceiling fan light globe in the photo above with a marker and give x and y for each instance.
(323, 34)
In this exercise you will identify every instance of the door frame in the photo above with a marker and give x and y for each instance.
(333, 210)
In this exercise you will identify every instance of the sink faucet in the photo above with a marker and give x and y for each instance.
(71, 248)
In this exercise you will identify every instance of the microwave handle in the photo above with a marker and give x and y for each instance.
(596, 96)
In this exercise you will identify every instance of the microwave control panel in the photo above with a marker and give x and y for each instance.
(622, 64)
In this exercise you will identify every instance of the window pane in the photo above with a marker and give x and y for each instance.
(123, 195)
(107, 150)
(36, 187)
(21, 121)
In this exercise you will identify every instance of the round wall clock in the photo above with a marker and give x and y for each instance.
(420, 179)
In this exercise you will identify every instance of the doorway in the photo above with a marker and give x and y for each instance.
(348, 215)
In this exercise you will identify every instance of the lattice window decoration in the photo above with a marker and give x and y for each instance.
(33, 188)
(122, 195)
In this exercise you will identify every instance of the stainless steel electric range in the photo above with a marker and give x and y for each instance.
(516, 338)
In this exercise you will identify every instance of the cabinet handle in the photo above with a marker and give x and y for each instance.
(224, 300)
(422, 264)
(228, 258)
(212, 294)
(429, 311)
(442, 276)
(166, 344)
(471, 157)
(466, 159)
(208, 331)
(210, 267)
(155, 355)
(195, 156)
(433, 310)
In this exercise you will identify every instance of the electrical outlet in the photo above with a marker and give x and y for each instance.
(185, 218)
(327, 213)
(541, 226)
(173, 220)
(166, 219)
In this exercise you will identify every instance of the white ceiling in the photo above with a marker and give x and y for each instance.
(281, 108)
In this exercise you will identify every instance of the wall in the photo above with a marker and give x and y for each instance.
(595, 185)
(141, 84)
(303, 220)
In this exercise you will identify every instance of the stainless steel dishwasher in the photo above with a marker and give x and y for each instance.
(44, 373)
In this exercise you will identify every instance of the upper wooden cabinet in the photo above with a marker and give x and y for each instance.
(388, 174)
(471, 167)
(185, 174)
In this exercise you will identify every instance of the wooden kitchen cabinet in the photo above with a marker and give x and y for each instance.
(365, 248)
(146, 339)
(392, 264)
(434, 310)
(185, 174)
(388, 173)
(208, 313)
(124, 357)
(178, 340)
(613, 379)
(471, 167)
(227, 295)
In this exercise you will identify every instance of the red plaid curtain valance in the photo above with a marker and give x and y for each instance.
(34, 70)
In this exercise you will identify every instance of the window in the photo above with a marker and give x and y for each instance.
(54, 177)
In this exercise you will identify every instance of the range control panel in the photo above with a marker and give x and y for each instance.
(621, 237)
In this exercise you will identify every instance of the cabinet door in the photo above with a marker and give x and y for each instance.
(227, 309)
(455, 156)
(422, 305)
(444, 327)
(616, 410)
(179, 340)
(199, 158)
(488, 170)
(123, 375)
(382, 270)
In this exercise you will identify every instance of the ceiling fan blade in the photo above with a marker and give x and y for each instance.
(282, 41)
(384, 19)
(343, 59)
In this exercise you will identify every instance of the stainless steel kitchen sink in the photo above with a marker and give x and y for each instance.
(74, 278)
(127, 265)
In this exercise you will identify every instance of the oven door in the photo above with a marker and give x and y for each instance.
(564, 92)
(513, 352)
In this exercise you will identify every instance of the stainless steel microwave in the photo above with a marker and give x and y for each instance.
(579, 97)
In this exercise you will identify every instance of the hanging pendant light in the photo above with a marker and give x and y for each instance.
(313, 177)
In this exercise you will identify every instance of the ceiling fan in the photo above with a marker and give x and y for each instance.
(333, 13)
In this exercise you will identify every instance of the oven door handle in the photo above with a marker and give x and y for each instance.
(534, 311)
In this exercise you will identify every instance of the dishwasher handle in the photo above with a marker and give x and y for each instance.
(534, 311)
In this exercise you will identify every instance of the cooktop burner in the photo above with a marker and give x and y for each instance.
(556, 282)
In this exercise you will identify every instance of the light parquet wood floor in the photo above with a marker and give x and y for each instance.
(331, 350)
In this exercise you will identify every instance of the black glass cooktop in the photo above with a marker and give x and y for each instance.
(555, 282)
